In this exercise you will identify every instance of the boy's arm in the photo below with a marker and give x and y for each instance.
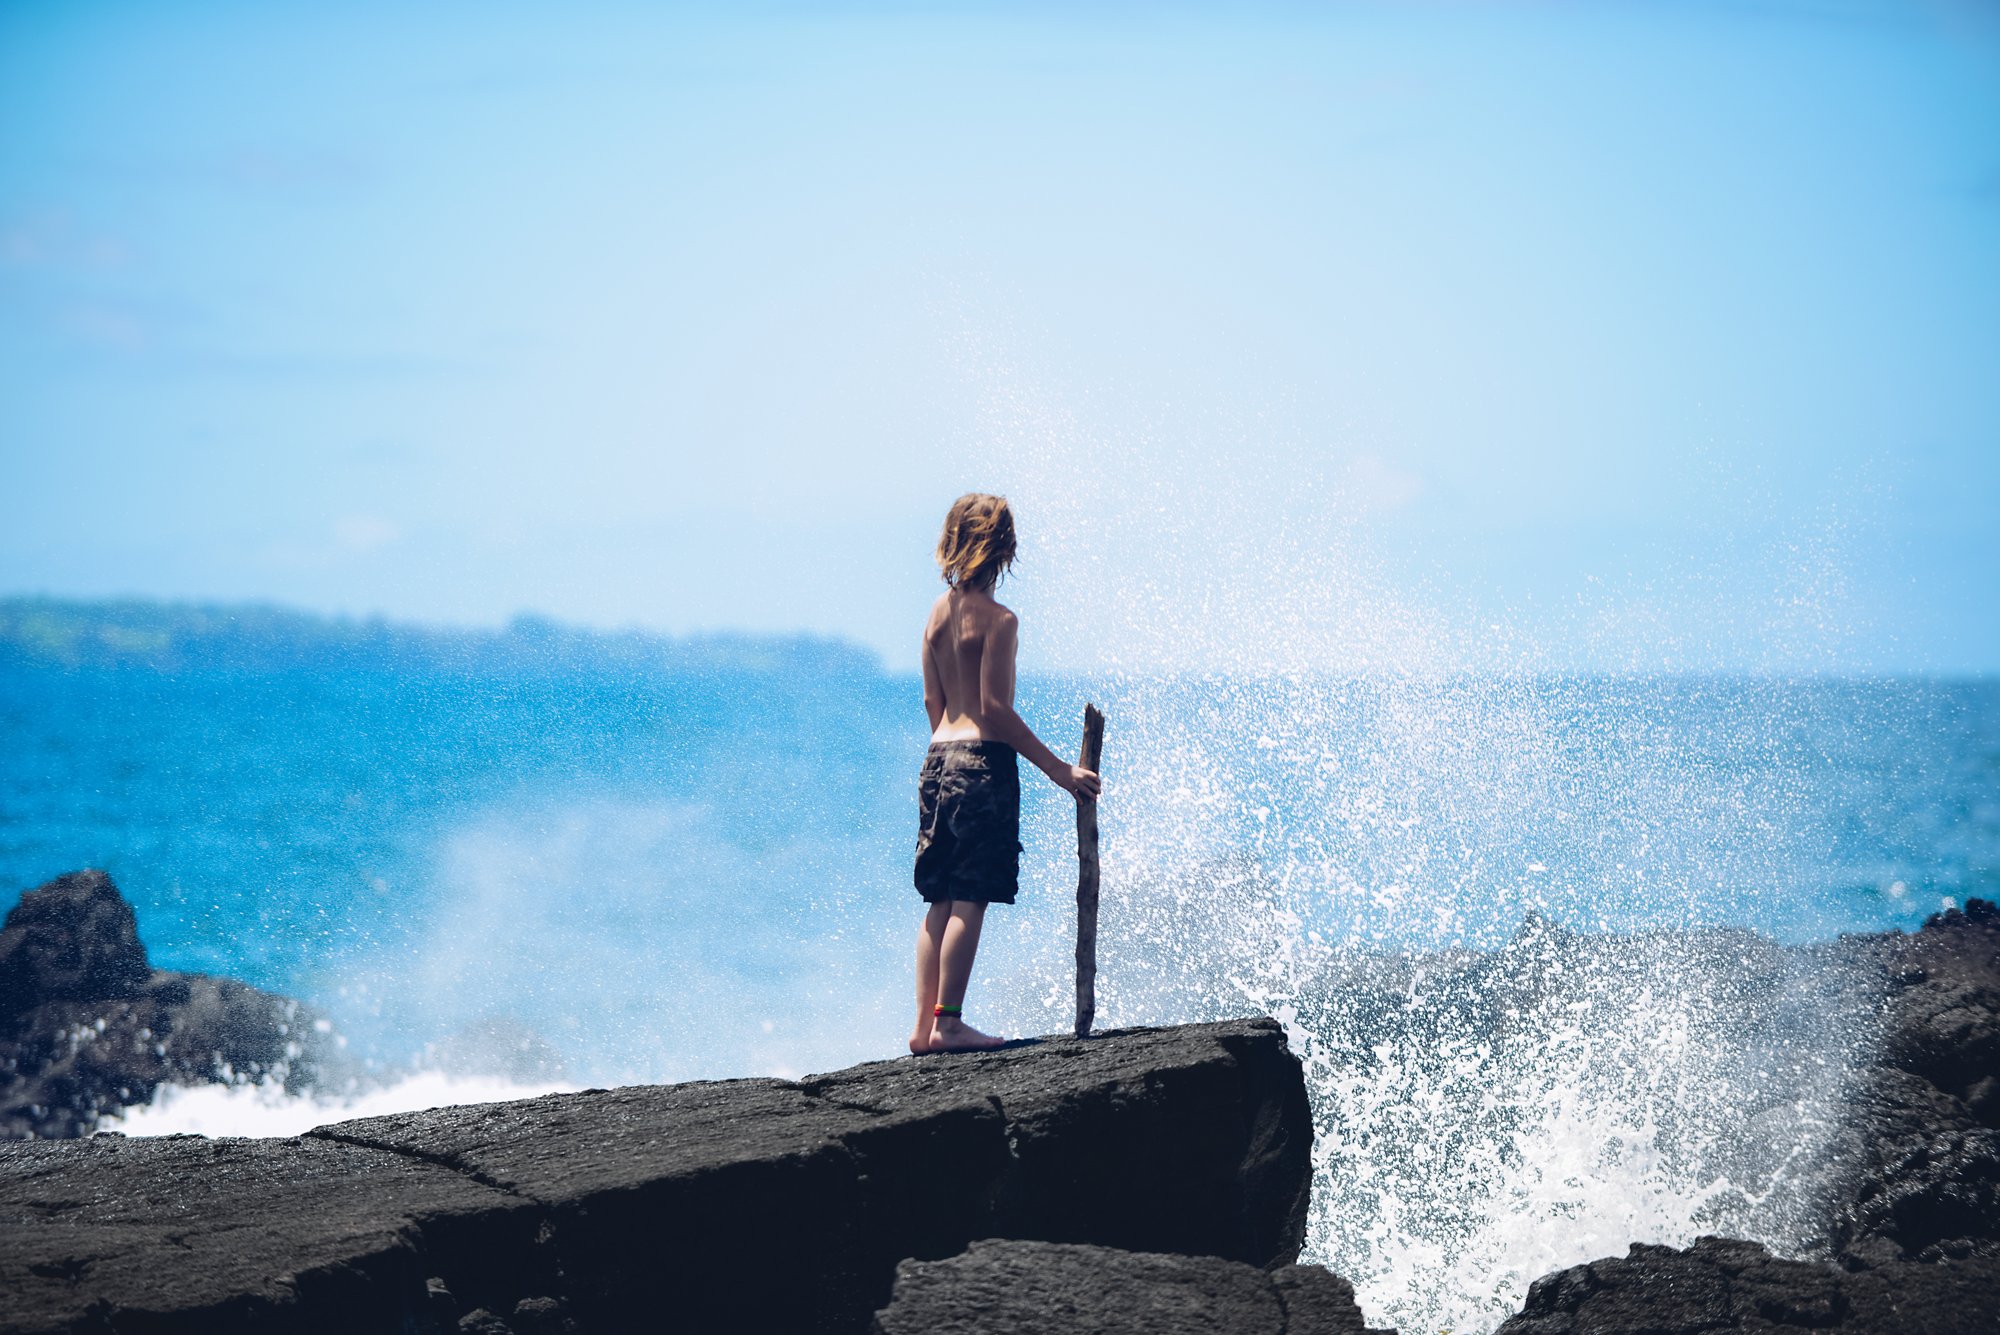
(933, 687)
(1002, 723)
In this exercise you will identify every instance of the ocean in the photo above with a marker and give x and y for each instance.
(497, 882)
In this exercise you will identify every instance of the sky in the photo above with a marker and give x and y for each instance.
(1607, 336)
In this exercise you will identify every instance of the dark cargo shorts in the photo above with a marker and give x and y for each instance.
(969, 823)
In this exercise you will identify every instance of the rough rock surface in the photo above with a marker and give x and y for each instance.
(187, 1233)
(1040, 1288)
(1946, 1014)
(1921, 1150)
(747, 1204)
(1021, 1288)
(1720, 1284)
(87, 1026)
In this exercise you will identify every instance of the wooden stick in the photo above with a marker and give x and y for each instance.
(1086, 878)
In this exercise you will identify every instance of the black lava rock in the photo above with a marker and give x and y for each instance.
(74, 939)
(1039, 1288)
(1720, 1284)
(734, 1205)
(88, 1027)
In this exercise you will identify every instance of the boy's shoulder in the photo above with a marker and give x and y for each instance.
(987, 608)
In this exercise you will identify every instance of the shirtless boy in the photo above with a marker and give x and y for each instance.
(969, 794)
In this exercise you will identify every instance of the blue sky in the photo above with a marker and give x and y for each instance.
(1615, 336)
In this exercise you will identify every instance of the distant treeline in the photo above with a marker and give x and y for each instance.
(181, 637)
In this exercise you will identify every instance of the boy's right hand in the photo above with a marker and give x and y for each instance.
(1084, 782)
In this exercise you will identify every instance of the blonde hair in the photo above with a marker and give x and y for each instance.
(977, 544)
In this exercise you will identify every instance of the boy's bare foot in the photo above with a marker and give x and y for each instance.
(920, 1041)
(949, 1035)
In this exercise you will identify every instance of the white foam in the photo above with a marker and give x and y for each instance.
(266, 1110)
(1455, 1164)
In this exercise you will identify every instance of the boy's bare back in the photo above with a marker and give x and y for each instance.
(970, 644)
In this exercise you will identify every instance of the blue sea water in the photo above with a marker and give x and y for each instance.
(692, 873)
(413, 852)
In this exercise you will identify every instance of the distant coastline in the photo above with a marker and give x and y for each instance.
(130, 633)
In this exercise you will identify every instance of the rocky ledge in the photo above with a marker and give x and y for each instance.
(742, 1204)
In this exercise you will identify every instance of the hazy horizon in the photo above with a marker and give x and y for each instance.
(530, 621)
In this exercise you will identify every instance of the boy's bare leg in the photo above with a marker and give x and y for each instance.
(930, 948)
(961, 943)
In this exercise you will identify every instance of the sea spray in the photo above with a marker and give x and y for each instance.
(1397, 868)
(1483, 1121)
(646, 941)
(1340, 795)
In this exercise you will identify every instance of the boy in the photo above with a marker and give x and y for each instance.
(969, 794)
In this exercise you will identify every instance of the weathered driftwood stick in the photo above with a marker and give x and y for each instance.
(1086, 878)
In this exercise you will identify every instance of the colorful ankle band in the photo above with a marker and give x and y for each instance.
(952, 1011)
